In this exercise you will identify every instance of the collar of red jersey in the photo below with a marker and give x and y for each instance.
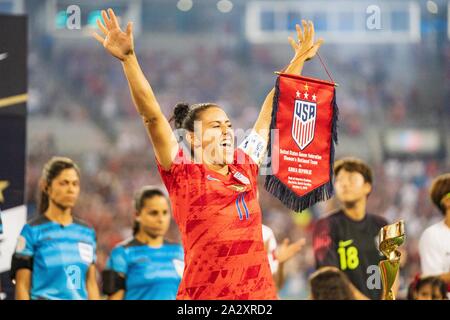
(239, 181)
(242, 179)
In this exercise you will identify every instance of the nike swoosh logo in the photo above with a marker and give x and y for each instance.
(345, 243)
(3, 56)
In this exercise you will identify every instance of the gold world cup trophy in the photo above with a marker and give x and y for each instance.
(390, 238)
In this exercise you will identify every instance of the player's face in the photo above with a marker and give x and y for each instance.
(154, 217)
(425, 292)
(217, 136)
(446, 202)
(350, 186)
(65, 189)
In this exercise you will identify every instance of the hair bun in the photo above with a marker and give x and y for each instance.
(179, 113)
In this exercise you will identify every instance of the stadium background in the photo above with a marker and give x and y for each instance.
(394, 99)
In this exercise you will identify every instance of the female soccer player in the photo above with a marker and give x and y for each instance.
(55, 253)
(146, 267)
(212, 187)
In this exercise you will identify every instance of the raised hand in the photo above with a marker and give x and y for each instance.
(117, 42)
(305, 48)
(287, 250)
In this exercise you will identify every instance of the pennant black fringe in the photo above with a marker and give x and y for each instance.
(277, 188)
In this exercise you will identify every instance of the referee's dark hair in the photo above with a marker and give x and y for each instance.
(51, 170)
(351, 164)
(146, 192)
(439, 189)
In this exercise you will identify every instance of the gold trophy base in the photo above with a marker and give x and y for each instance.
(389, 271)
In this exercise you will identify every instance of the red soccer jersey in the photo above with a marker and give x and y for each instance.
(220, 222)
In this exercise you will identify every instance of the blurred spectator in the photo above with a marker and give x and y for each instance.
(330, 283)
(427, 288)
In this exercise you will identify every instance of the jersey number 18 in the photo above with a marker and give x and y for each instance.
(348, 257)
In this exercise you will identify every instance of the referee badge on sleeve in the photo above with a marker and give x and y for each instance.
(179, 266)
(86, 252)
(21, 244)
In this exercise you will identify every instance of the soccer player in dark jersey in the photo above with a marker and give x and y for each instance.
(213, 186)
(347, 239)
(146, 267)
(55, 253)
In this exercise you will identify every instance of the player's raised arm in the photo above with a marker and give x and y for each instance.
(304, 48)
(120, 44)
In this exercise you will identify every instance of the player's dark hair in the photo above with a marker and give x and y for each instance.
(146, 192)
(439, 188)
(329, 283)
(52, 169)
(184, 115)
(354, 165)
